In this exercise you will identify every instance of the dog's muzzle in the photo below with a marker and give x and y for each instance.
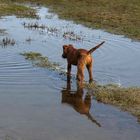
(64, 56)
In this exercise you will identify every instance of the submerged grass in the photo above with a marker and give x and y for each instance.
(39, 60)
(7, 41)
(120, 17)
(7, 7)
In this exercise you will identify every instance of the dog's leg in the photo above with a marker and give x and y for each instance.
(68, 84)
(80, 71)
(89, 68)
(68, 71)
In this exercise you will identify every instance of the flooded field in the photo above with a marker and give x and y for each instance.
(38, 103)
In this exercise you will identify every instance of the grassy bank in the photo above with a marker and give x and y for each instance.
(127, 99)
(120, 17)
(7, 7)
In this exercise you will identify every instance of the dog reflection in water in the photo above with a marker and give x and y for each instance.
(78, 101)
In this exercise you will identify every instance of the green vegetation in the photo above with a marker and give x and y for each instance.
(120, 17)
(39, 60)
(7, 7)
(127, 99)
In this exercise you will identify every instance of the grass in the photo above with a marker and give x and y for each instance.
(7, 41)
(7, 7)
(72, 36)
(120, 17)
(39, 60)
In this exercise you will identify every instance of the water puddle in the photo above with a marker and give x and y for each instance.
(37, 103)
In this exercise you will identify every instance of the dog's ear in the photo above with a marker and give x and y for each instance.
(65, 46)
(70, 45)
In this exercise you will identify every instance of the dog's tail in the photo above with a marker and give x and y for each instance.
(96, 47)
(92, 119)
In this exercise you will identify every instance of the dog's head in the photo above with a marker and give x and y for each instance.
(66, 50)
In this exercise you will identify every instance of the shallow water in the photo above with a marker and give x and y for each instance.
(37, 103)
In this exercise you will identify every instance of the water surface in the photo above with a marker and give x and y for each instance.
(38, 104)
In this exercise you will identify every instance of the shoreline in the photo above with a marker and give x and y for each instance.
(121, 17)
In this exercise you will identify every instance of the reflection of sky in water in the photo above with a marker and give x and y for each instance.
(115, 62)
(30, 97)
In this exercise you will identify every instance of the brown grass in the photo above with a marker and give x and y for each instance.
(120, 17)
(7, 7)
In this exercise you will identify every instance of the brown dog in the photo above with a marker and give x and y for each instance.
(81, 58)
